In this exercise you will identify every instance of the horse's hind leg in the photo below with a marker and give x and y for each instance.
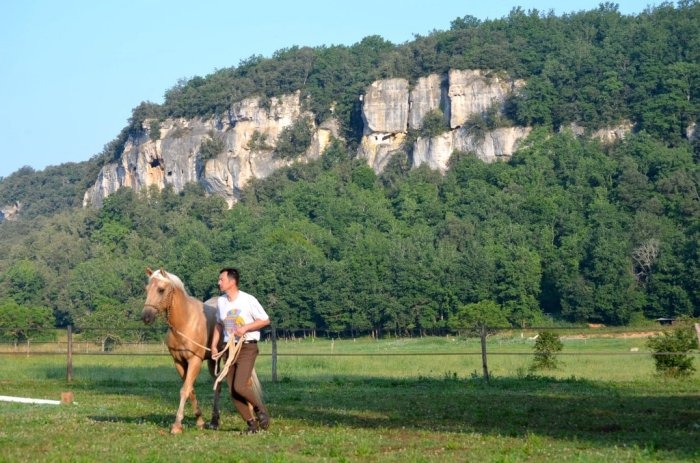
(215, 414)
(197, 410)
(193, 369)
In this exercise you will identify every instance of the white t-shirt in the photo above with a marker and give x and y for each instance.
(244, 309)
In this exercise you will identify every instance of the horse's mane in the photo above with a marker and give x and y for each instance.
(169, 278)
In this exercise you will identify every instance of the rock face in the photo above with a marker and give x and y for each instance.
(10, 211)
(458, 96)
(497, 144)
(223, 154)
(385, 106)
(429, 94)
(605, 135)
(177, 156)
(474, 92)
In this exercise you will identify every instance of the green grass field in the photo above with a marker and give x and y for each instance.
(390, 400)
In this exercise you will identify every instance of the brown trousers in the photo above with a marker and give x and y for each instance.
(240, 383)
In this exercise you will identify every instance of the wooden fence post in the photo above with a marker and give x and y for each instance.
(69, 354)
(274, 354)
(484, 362)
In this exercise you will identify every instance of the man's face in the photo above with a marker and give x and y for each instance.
(225, 283)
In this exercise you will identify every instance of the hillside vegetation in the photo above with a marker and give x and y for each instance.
(568, 229)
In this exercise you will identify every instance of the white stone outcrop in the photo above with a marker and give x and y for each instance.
(474, 92)
(605, 135)
(385, 106)
(459, 96)
(174, 158)
(428, 94)
(393, 113)
(10, 211)
(497, 144)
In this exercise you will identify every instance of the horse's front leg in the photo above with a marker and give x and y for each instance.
(188, 372)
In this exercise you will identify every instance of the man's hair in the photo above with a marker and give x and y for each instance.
(231, 273)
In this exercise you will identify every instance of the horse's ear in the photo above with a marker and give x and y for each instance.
(163, 272)
(149, 272)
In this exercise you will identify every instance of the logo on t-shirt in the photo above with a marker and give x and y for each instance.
(232, 320)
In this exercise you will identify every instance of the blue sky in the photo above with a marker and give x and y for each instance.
(71, 71)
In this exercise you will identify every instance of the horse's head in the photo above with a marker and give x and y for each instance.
(159, 294)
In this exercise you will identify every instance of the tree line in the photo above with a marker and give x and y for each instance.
(568, 229)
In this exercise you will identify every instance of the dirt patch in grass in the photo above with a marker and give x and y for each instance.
(634, 335)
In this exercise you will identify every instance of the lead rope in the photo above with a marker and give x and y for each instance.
(233, 355)
(166, 313)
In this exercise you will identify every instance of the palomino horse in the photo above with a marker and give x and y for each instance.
(191, 324)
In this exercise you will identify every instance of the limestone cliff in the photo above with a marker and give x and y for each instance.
(223, 154)
(10, 211)
(178, 155)
(605, 135)
(458, 96)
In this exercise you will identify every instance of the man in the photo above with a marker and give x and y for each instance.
(240, 314)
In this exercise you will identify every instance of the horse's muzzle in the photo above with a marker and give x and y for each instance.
(148, 315)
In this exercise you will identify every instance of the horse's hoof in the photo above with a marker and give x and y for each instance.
(176, 429)
(211, 426)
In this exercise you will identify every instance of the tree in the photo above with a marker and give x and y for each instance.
(486, 312)
(24, 282)
(19, 322)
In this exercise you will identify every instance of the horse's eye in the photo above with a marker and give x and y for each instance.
(161, 290)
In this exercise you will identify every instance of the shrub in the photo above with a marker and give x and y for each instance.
(546, 347)
(211, 147)
(671, 350)
(154, 130)
(434, 124)
(258, 142)
(294, 140)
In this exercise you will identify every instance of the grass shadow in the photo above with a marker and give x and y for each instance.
(605, 414)
(562, 409)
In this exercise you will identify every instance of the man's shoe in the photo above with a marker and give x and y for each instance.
(263, 419)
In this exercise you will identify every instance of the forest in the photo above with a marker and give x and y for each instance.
(569, 230)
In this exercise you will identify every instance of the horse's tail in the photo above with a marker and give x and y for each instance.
(257, 388)
(257, 391)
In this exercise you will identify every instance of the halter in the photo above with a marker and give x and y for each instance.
(164, 307)
(165, 310)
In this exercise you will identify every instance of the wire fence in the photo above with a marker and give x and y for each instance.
(486, 344)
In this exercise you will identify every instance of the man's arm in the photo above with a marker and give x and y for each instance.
(215, 336)
(257, 325)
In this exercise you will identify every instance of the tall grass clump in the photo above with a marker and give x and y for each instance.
(671, 350)
(547, 345)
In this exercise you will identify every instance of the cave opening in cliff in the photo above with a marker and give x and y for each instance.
(155, 163)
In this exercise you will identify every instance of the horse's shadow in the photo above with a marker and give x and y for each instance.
(159, 420)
